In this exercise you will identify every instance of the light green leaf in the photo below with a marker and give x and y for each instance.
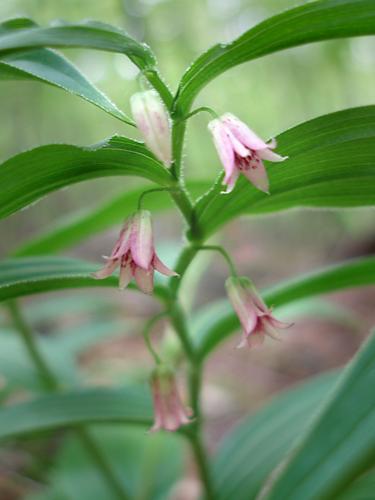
(340, 443)
(47, 66)
(130, 405)
(28, 176)
(94, 35)
(72, 229)
(216, 324)
(311, 22)
(253, 448)
(26, 276)
(319, 172)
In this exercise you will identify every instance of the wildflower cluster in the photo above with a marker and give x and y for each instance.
(240, 151)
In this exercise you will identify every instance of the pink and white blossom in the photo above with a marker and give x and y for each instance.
(242, 151)
(255, 317)
(169, 410)
(135, 254)
(152, 119)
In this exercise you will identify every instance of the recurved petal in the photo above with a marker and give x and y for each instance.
(258, 176)
(161, 267)
(267, 154)
(141, 240)
(123, 243)
(107, 270)
(223, 145)
(243, 133)
(144, 279)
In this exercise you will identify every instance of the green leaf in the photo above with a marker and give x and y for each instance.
(26, 276)
(47, 66)
(93, 35)
(28, 176)
(219, 322)
(147, 464)
(311, 22)
(340, 444)
(254, 447)
(319, 172)
(361, 489)
(72, 229)
(130, 405)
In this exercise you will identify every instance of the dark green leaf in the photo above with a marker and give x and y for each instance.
(331, 164)
(94, 35)
(28, 176)
(253, 448)
(77, 227)
(218, 323)
(340, 444)
(26, 276)
(311, 22)
(47, 66)
(129, 405)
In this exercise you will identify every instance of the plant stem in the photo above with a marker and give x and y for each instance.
(224, 253)
(51, 383)
(45, 374)
(202, 462)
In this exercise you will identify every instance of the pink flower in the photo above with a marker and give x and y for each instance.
(241, 150)
(134, 252)
(255, 317)
(170, 413)
(153, 121)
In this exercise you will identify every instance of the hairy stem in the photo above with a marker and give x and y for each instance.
(51, 383)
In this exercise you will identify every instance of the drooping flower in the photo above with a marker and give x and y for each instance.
(135, 254)
(152, 119)
(255, 317)
(242, 151)
(169, 410)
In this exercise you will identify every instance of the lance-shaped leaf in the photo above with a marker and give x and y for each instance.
(71, 229)
(311, 22)
(331, 164)
(26, 276)
(93, 35)
(130, 405)
(28, 176)
(255, 446)
(213, 326)
(340, 443)
(47, 66)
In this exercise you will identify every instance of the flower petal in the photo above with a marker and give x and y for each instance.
(141, 241)
(125, 276)
(257, 175)
(243, 133)
(245, 309)
(223, 145)
(267, 154)
(123, 242)
(144, 279)
(107, 270)
(230, 181)
(161, 267)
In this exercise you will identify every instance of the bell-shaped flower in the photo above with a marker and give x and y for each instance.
(242, 151)
(169, 410)
(255, 317)
(152, 119)
(134, 253)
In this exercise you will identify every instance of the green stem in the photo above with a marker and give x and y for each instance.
(202, 463)
(146, 335)
(202, 109)
(52, 384)
(155, 190)
(224, 253)
(45, 374)
(154, 78)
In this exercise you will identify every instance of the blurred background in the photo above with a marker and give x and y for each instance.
(93, 337)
